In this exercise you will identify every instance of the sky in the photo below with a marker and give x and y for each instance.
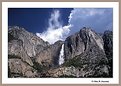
(34, 19)
(53, 24)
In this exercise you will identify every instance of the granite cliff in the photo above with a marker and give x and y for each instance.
(84, 54)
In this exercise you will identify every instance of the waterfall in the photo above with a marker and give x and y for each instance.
(61, 56)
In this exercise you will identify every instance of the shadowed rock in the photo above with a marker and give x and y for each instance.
(50, 55)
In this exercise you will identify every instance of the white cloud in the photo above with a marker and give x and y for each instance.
(99, 19)
(54, 20)
(55, 31)
(96, 18)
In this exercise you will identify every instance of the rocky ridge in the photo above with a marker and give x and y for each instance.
(86, 54)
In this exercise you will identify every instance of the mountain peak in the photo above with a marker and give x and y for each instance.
(16, 28)
(86, 28)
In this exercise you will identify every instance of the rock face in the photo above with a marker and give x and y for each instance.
(90, 57)
(108, 46)
(63, 72)
(30, 41)
(24, 45)
(81, 42)
(15, 47)
(85, 53)
(18, 68)
(49, 55)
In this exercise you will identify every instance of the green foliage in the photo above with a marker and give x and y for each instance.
(73, 62)
(14, 56)
(103, 61)
(40, 68)
(66, 76)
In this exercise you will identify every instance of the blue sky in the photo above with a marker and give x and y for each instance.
(34, 19)
(52, 24)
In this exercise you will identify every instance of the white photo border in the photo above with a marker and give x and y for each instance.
(6, 80)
